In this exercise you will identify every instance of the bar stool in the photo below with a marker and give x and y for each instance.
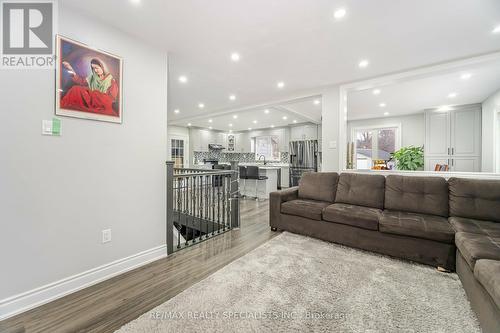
(253, 173)
(243, 177)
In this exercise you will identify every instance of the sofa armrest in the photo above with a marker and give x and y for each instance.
(275, 201)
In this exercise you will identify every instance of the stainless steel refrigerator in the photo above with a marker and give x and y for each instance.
(303, 158)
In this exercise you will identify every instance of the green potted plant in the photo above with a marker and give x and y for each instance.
(409, 158)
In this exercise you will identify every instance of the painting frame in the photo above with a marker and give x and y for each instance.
(86, 101)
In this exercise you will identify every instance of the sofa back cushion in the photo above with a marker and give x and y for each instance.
(475, 198)
(320, 186)
(361, 190)
(423, 195)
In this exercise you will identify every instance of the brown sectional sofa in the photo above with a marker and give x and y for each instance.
(453, 224)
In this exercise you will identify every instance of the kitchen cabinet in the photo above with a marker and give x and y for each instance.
(454, 138)
(241, 143)
(219, 138)
(200, 139)
(304, 132)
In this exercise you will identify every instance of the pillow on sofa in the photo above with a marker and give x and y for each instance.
(361, 190)
(320, 186)
(475, 198)
(424, 195)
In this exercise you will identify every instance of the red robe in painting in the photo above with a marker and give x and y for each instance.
(80, 97)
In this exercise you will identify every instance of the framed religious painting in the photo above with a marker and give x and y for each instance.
(88, 82)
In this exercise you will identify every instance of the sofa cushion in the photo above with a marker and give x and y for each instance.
(424, 195)
(429, 227)
(475, 226)
(475, 198)
(310, 209)
(361, 190)
(321, 186)
(475, 246)
(356, 216)
(487, 272)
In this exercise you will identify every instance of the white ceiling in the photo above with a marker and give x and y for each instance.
(296, 41)
(296, 112)
(415, 96)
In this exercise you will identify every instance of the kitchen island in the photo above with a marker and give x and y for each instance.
(248, 187)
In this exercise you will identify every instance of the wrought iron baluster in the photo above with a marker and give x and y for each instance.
(200, 204)
(179, 214)
(228, 204)
(223, 183)
(207, 208)
(212, 185)
(218, 205)
(186, 207)
(193, 210)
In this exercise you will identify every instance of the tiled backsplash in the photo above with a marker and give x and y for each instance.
(228, 157)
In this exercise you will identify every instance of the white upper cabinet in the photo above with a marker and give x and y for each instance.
(466, 132)
(438, 134)
(304, 132)
(454, 138)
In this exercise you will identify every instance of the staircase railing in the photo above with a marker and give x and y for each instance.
(200, 204)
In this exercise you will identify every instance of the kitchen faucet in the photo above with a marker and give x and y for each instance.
(264, 159)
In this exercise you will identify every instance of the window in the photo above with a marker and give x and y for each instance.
(374, 144)
(267, 146)
(177, 152)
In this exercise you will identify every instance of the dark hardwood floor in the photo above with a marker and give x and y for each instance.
(108, 305)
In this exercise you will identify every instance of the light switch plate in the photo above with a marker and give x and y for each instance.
(332, 145)
(51, 127)
(106, 236)
(47, 127)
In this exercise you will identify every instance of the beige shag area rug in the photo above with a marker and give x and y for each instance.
(298, 284)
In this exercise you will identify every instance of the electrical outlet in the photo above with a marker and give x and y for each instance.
(106, 236)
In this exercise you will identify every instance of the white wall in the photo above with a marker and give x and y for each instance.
(58, 193)
(490, 135)
(330, 134)
(412, 127)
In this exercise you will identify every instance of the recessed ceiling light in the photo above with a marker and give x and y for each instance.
(266, 111)
(230, 125)
(235, 117)
(465, 76)
(183, 79)
(496, 30)
(285, 117)
(386, 113)
(280, 84)
(176, 111)
(295, 121)
(452, 95)
(232, 97)
(249, 128)
(272, 126)
(339, 13)
(363, 63)
(376, 91)
(135, 2)
(317, 102)
(210, 127)
(230, 131)
(210, 120)
(255, 121)
(189, 124)
(382, 105)
(235, 56)
(201, 105)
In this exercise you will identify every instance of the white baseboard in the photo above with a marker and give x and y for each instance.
(17, 304)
